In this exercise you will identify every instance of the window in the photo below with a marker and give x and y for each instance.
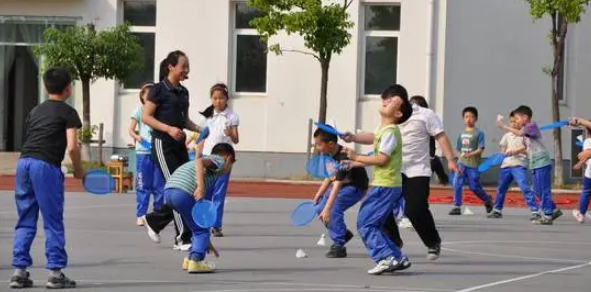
(250, 53)
(380, 47)
(141, 17)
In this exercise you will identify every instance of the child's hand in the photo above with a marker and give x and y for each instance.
(212, 250)
(351, 154)
(79, 173)
(198, 194)
(574, 121)
(349, 137)
(453, 167)
(500, 124)
(325, 216)
(509, 153)
(579, 165)
(227, 132)
(317, 198)
(584, 156)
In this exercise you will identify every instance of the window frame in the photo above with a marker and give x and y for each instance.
(235, 32)
(137, 29)
(364, 34)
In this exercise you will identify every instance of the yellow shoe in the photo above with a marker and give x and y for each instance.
(195, 267)
(185, 264)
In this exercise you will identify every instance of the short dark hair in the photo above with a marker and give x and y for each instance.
(395, 90)
(419, 100)
(524, 110)
(56, 80)
(325, 136)
(512, 114)
(224, 149)
(472, 110)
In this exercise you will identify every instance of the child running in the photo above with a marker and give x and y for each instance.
(539, 162)
(470, 146)
(51, 130)
(149, 178)
(386, 190)
(338, 194)
(514, 168)
(583, 157)
(192, 182)
(223, 128)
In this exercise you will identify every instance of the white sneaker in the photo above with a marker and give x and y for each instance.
(578, 216)
(404, 223)
(155, 237)
(390, 264)
(181, 247)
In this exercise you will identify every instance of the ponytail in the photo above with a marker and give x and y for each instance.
(163, 72)
(208, 112)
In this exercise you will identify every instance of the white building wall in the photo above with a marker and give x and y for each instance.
(103, 14)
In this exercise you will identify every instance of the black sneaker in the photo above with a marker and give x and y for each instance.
(215, 232)
(495, 215)
(535, 216)
(434, 252)
(455, 211)
(556, 213)
(489, 206)
(60, 282)
(348, 236)
(336, 252)
(19, 282)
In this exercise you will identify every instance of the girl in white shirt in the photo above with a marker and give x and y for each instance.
(580, 213)
(223, 128)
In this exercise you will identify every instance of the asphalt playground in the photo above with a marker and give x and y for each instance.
(107, 252)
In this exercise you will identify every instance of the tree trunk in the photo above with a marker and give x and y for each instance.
(86, 118)
(559, 30)
(324, 64)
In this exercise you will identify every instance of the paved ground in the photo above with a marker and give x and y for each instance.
(109, 253)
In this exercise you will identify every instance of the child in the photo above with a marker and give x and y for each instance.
(386, 190)
(514, 167)
(191, 182)
(338, 194)
(580, 213)
(223, 128)
(470, 146)
(51, 129)
(149, 177)
(539, 162)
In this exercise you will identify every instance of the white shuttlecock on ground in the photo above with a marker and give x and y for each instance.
(322, 240)
(301, 254)
(467, 211)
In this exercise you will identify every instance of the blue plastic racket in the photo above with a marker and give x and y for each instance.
(303, 214)
(493, 160)
(203, 135)
(98, 182)
(554, 125)
(145, 144)
(204, 213)
(329, 129)
(322, 166)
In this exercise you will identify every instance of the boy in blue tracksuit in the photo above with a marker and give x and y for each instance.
(149, 178)
(514, 168)
(191, 182)
(51, 129)
(539, 162)
(338, 194)
(470, 146)
(386, 186)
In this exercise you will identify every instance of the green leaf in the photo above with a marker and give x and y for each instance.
(571, 10)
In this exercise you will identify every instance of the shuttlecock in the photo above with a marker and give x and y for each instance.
(580, 138)
(467, 211)
(322, 240)
(499, 118)
(301, 254)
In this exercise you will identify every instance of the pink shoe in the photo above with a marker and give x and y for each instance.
(578, 216)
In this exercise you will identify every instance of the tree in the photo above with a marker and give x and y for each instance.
(323, 27)
(561, 13)
(90, 55)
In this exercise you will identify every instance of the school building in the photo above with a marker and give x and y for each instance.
(488, 54)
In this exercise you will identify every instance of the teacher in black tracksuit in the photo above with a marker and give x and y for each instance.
(166, 111)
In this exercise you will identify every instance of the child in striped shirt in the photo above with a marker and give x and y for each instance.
(191, 182)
